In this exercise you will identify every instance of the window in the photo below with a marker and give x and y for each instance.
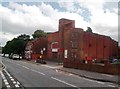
(73, 55)
(74, 44)
(74, 40)
(74, 35)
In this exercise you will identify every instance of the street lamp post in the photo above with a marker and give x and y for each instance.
(42, 53)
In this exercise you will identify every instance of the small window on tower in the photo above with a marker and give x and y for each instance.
(74, 44)
(74, 35)
(73, 55)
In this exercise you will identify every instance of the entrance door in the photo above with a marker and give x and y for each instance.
(54, 55)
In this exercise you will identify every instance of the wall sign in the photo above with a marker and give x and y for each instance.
(55, 50)
(65, 53)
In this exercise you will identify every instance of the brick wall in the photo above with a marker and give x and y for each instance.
(52, 37)
(107, 69)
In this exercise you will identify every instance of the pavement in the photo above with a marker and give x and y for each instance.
(87, 74)
(93, 75)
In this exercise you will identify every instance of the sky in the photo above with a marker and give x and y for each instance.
(26, 16)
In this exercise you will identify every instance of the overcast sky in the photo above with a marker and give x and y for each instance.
(25, 17)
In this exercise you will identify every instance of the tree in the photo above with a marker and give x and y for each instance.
(24, 37)
(7, 49)
(89, 30)
(39, 33)
(16, 45)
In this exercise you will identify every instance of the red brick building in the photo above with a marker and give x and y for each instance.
(70, 43)
(35, 48)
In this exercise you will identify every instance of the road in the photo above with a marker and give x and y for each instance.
(27, 74)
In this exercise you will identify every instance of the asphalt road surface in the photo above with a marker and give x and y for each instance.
(25, 75)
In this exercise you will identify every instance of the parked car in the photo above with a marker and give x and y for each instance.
(16, 56)
(115, 60)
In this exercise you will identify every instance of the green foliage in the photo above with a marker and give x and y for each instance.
(39, 33)
(116, 63)
(16, 45)
(89, 30)
(24, 37)
(7, 49)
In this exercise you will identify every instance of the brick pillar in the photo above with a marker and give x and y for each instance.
(61, 39)
(63, 25)
(90, 62)
(106, 62)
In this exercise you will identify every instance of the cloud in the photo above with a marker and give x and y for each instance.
(69, 6)
(103, 20)
(20, 17)
(24, 18)
(4, 37)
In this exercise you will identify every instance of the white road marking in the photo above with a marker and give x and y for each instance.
(7, 73)
(16, 85)
(40, 73)
(64, 82)
(52, 67)
(6, 83)
(31, 69)
(8, 86)
(37, 72)
(5, 80)
(25, 67)
(12, 79)
(14, 82)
